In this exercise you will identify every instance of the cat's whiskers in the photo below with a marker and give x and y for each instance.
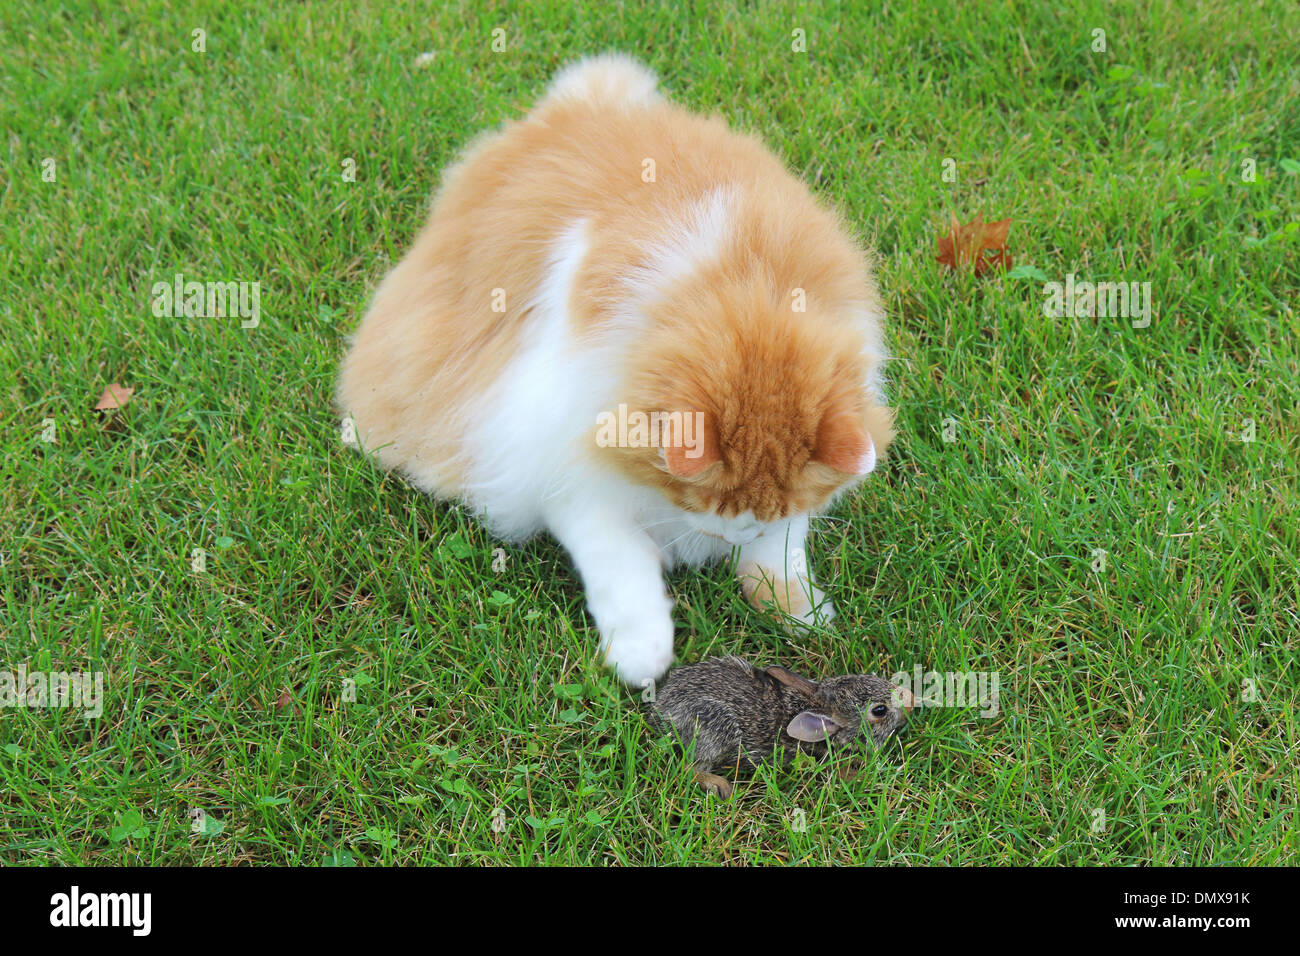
(558, 485)
(668, 547)
(671, 519)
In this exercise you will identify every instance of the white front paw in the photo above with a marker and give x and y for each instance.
(639, 650)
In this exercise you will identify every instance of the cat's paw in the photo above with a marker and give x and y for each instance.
(639, 651)
(814, 609)
(799, 603)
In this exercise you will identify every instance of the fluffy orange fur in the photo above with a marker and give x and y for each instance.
(781, 390)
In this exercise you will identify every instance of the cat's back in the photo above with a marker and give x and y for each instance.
(604, 145)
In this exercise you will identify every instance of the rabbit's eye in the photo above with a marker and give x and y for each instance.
(879, 710)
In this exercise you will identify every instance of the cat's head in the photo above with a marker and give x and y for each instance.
(764, 415)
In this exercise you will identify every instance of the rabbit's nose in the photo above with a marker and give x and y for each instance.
(905, 699)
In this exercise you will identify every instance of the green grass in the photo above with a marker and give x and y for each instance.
(1122, 689)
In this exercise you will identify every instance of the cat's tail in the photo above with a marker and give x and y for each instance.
(610, 79)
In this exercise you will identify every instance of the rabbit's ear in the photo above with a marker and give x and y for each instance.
(811, 727)
(796, 683)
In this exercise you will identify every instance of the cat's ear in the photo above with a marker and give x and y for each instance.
(688, 445)
(843, 443)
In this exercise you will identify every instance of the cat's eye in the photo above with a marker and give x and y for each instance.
(879, 710)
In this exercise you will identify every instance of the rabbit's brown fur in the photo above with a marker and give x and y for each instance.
(739, 715)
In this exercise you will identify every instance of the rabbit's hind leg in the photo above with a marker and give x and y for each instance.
(717, 743)
(714, 784)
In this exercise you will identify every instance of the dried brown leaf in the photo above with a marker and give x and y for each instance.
(115, 396)
(977, 245)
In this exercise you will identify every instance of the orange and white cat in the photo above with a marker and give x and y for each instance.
(631, 327)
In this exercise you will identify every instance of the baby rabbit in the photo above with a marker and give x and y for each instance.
(738, 714)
